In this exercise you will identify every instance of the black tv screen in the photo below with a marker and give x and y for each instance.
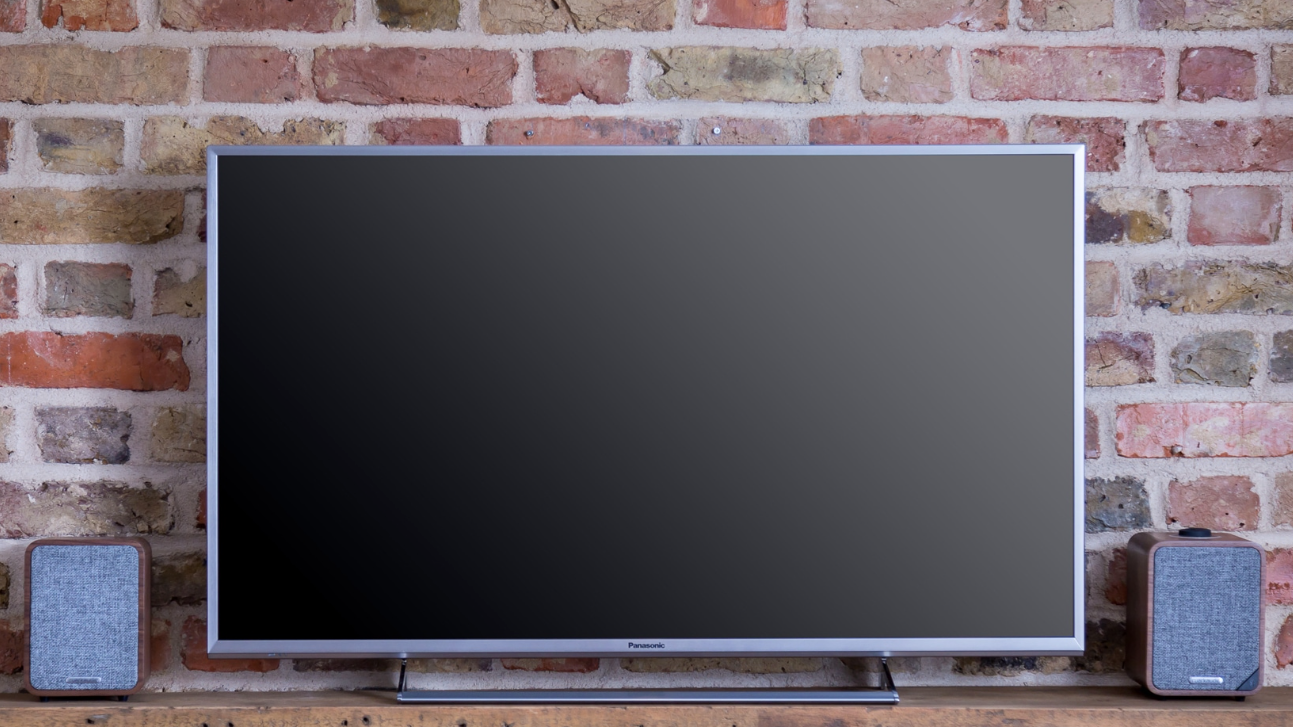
(710, 401)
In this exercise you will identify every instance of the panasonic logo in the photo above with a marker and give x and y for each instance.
(657, 645)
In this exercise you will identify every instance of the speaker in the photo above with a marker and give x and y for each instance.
(1195, 613)
(87, 616)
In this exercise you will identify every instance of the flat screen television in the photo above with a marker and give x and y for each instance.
(483, 401)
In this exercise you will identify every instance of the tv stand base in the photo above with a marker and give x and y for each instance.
(886, 694)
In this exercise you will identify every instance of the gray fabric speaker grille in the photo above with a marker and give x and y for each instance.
(84, 617)
(1207, 616)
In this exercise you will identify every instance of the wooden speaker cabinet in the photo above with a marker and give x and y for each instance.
(87, 616)
(1195, 613)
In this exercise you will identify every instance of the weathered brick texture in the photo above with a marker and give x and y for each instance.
(251, 74)
(131, 361)
(465, 77)
(8, 291)
(175, 294)
(762, 14)
(1217, 287)
(1067, 15)
(561, 74)
(1067, 74)
(52, 509)
(109, 105)
(416, 131)
(582, 130)
(1253, 429)
(80, 146)
(173, 146)
(309, 15)
(418, 14)
(1245, 145)
(13, 16)
(905, 130)
(1219, 503)
(1115, 359)
(41, 74)
(89, 435)
(1224, 358)
(1208, 73)
(978, 15)
(54, 216)
(1128, 216)
(1214, 14)
(88, 289)
(1101, 289)
(746, 74)
(721, 130)
(907, 74)
(90, 14)
(1234, 215)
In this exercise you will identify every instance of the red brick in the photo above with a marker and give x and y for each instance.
(398, 132)
(60, 217)
(1281, 70)
(1101, 289)
(461, 76)
(193, 652)
(740, 131)
(1104, 138)
(116, 15)
(1215, 14)
(1219, 503)
(1255, 429)
(1279, 576)
(317, 16)
(1245, 145)
(1015, 73)
(560, 74)
(905, 130)
(8, 291)
(1234, 215)
(13, 16)
(1208, 73)
(1284, 644)
(1091, 435)
(13, 645)
(907, 74)
(1115, 581)
(131, 361)
(762, 14)
(250, 74)
(577, 666)
(907, 14)
(1066, 15)
(1118, 359)
(41, 74)
(159, 645)
(6, 133)
(582, 130)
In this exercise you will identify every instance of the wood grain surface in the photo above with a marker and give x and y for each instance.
(920, 707)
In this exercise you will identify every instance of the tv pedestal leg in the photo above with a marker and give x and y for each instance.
(887, 693)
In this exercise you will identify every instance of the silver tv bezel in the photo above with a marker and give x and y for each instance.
(415, 648)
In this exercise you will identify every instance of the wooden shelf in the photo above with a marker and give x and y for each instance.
(920, 707)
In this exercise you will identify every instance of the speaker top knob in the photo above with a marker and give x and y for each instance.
(1195, 533)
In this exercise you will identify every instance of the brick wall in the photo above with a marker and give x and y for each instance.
(106, 105)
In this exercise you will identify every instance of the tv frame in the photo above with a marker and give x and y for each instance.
(411, 648)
